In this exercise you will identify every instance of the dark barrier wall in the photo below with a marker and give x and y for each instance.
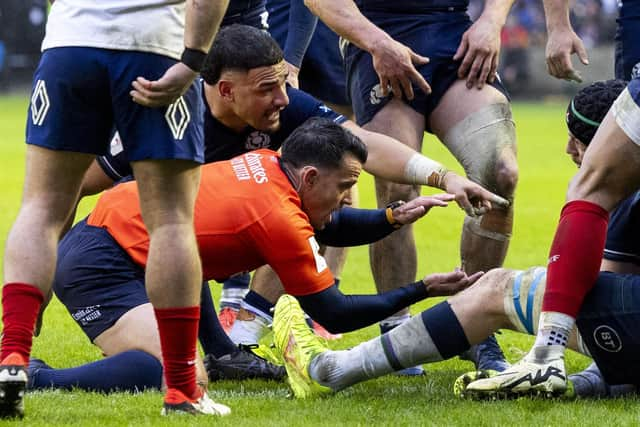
(22, 24)
(525, 73)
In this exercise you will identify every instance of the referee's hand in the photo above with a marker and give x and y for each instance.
(164, 91)
(445, 284)
(415, 209)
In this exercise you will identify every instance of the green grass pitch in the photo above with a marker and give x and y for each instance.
(544, 173)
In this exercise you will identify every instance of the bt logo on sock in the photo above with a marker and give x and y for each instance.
(554, 258)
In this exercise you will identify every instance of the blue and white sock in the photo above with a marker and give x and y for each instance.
(249, 331)
(433, 336)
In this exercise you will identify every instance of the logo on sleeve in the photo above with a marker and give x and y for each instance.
(321, 264)
(178, 118)
(39, 103)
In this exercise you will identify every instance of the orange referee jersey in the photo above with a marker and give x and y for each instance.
(247, 215)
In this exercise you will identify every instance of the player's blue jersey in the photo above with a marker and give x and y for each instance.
(627, 64)
(247, 12)
(239, 7)
(623, 234)
(411, 6)
(223, 143)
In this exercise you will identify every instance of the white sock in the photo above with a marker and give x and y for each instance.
(250, 332)
(232, 297)
(410, 344)
(340, 369)
(554, 329)
(395, 320)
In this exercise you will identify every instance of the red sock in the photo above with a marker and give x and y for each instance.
(575, 256)
(178, 329)
(20, 306)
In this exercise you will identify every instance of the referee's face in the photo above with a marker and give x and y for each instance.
(325, 190)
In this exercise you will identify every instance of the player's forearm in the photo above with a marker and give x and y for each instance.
(343, 17)
(556, 14)
(202, 21)
(391, 160)
(496, 11)
(345, 313)
(355, 227)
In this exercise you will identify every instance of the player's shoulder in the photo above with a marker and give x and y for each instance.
(303, 106)
(298, 97)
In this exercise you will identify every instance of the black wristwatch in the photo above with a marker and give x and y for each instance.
(389, 213)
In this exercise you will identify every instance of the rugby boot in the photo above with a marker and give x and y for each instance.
(13, 383)
(241, 365)
(175, 402)
(541, 372)
(487, 356)
(298, 345)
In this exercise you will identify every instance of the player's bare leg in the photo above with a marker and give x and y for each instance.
(51, 186)
(394, 259)
(482, 138)
(132, 361)
(167, 191)
(481, 135)
(137, 329)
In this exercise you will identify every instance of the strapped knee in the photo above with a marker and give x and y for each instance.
(484, 143)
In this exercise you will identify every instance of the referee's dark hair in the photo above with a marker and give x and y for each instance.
(240, 47)
(322, 143)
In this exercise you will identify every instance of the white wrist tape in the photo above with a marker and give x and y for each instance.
(421, 170)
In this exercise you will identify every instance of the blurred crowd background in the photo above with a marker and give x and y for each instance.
(523, 38)
(525, 34)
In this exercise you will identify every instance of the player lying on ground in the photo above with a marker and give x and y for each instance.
(255, 209)
(609, 173)
(505, 298)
